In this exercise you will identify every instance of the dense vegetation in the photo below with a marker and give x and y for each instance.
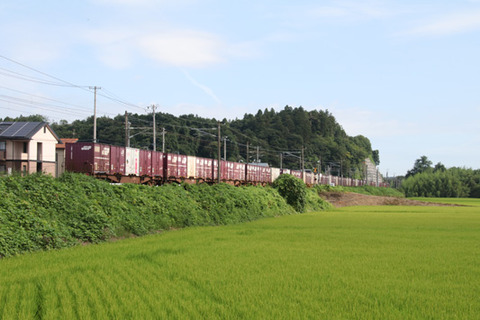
(39, 212)
(423, 180)
(352, 263)
(268, 133)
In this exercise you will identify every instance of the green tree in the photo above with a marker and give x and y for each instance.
(421, 165)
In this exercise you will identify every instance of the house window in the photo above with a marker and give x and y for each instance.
(2, 145)
(45, 129)
(25, 146)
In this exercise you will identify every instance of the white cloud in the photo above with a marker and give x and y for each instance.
(448, 24)
(117, 47)
(183, 48)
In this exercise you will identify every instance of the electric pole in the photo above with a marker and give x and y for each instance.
(225, 148)
(258, 154)
(248, 151)
(219, 152)
(95, 112)
(302, 159)
(126, 129)
(154, 129)
(163, 140)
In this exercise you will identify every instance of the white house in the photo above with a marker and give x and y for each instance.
(27, 147)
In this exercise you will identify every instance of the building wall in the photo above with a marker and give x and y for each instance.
(60, 168)
(49, 143)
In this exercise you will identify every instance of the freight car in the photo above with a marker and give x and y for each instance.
(130, 165)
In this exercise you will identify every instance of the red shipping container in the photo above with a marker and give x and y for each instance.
(176, 166)
(157, 164)
(227, 170)
(87, 157)
(204, 169)
(239, 171)
(253, 173)
(117, 160)
(296, 173)
(265, 174)
(145, 163)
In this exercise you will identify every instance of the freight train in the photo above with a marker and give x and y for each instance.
(131, 165)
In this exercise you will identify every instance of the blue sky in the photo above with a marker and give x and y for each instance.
(405, 74)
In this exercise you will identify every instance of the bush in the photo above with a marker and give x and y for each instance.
(293, 190)
(38, 212)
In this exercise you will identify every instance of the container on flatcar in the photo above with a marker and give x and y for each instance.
(227, 170)
(132, 161)
(176, 166)
(191, 167)
(87, 157)
(203, 169)
(275, 174)
(239, 170)
(253, 173)
(296, 173)
(145, 161)
(157, 164)
(117, 160)
(265, 174)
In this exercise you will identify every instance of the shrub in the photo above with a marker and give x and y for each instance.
(38, 212)
(293, 190)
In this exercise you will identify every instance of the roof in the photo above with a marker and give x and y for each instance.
(65, 140)
(22, 130)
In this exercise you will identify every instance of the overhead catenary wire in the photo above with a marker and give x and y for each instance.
(60, 82)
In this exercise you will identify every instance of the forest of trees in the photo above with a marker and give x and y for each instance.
(272, 137)
(425, 180)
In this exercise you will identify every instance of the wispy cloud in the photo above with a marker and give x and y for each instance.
(183, 48)
(204, 88)
(448, 24)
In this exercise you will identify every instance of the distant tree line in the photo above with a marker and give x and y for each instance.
(423, 180)
(276, 138)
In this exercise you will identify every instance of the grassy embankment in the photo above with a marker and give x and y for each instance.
(38, 212)
(351, 263)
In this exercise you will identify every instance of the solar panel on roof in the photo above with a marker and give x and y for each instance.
(20, 130)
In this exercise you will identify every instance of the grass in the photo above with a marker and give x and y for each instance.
(461, 201)
(353, 263)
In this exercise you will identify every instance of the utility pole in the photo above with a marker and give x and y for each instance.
(302, 159)
(163, 140)
(219, 153)
(258, 154)
(225, 148)
(248, 151)
(126, 129)
(281, 160)
(154, 129)
(95, 112)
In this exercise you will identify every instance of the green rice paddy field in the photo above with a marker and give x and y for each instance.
(354, 263)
